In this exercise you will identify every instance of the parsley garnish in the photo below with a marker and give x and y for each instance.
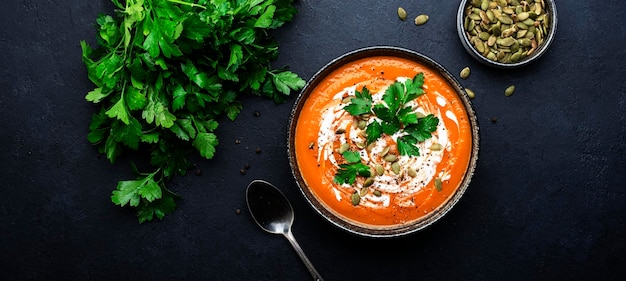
(354, 167)
(165, 70)
(395, 115)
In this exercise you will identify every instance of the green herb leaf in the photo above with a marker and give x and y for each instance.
(286, 81)
(347, 173)
(132, 191)
(352, 156)
(361, 103)
(205, 143)
(424, 127)
(265, 20)
(374, 131)
(407, 146)
(118, 110)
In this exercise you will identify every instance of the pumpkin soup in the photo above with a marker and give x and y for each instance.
(383, 141)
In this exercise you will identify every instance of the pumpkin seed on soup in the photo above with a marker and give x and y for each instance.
(355, 199)
(438, 184)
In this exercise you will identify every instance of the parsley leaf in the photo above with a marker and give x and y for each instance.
(165, 70)
(424, 127)
(373, 131)
(348, 172)
(406, 146)
(361, 103)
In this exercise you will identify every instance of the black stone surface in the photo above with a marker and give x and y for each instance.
(547, 201)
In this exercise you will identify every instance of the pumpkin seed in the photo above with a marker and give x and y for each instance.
(521, 25)
(516, 57)
(343, 148)
(509, 91)
(500, 55)
(421, 19)
(495, 30)
(368, 182)
(395, 167)
(370, 147)
(465, 72)
(484, 5)
(522, 16)
(377, 193)
(491, 16)
(474, 17)
(508, 42)
(530, 22)
(379, 169)
(340, 131)
(505, 19)
(436, 147)
(483, 35)
(360, 145)
(385, 151)
(470, 93)
(483, 17)
(411, 172)
(525, 42)
(362, 124)
(508, 32)
(402, 13)
(363, 191)
(438, 184)
(355, 199)
(390, 157)
(480, 47)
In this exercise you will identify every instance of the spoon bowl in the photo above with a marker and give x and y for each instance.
(271, 210)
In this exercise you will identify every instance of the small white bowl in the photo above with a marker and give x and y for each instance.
(549, 7)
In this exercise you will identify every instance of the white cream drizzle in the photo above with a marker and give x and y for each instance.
(402, 186)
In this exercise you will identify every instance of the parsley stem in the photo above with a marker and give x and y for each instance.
(186, 3)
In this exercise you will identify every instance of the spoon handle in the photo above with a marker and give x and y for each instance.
(307, 262)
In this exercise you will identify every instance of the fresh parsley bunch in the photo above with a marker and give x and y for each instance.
(165, 70)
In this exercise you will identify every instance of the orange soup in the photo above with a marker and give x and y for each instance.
(398, 189)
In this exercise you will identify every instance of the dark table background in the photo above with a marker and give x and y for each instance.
(547, 201)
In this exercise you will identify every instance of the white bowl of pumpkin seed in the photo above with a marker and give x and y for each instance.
(506, 33)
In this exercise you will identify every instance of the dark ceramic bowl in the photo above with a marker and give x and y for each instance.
(461, 24)
(330, 215)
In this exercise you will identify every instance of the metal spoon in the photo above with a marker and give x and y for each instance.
(272, 211)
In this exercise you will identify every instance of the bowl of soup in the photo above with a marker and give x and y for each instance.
(383, 141)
